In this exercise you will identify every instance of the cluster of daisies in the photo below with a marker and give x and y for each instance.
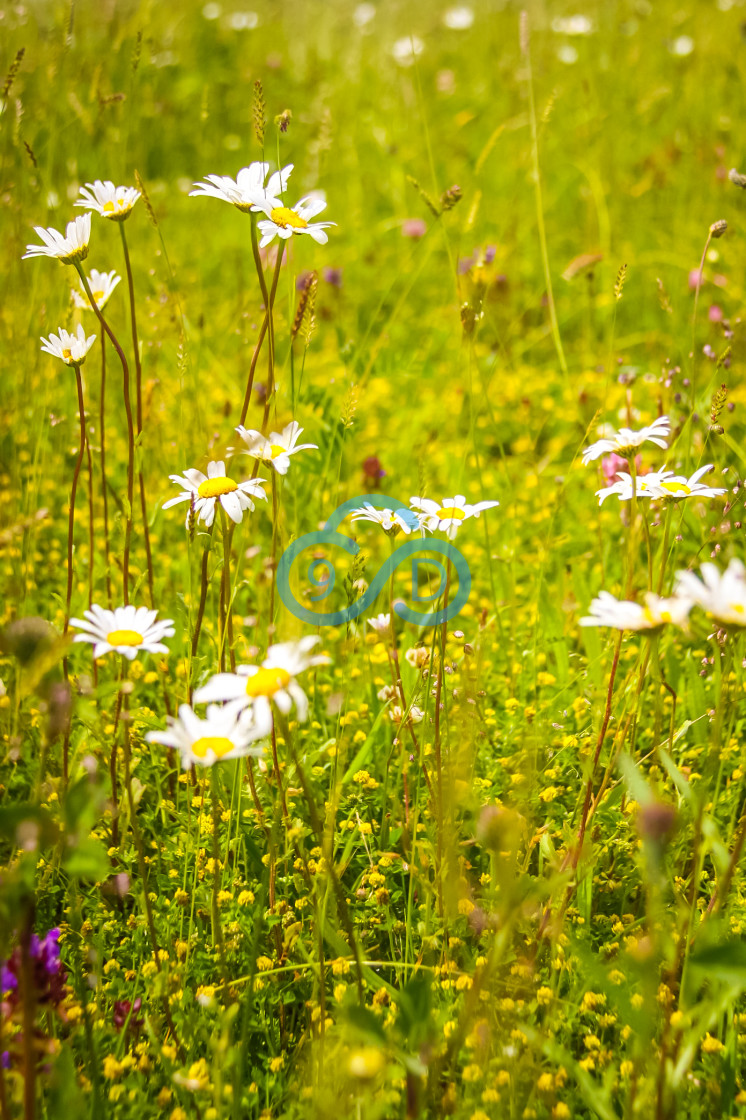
(252, 192)
(424, 514)
(71, 247)
(721, 595)
(662, 485)
(250, 696)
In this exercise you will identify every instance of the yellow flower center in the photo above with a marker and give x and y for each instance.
(737, 607)
(124, 638)
(266, 682)
(67, 354)
(214, 487)
(98, 296)
(447, 512)
(110, 207)
(276, 449)
(283, 216)
(676, 488)
(218, 744)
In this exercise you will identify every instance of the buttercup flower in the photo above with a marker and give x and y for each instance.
(723, 596)
(449, 514)
(247, 191)
(71, 348)
(111, 202)
(625, 440)
(621, 614)
(390, 520)
(126, 630)
(102, 287)
(277, 447)
(224, 734)
(68, 247)
(204, 491)
(673, 487)
(271, 683)
(645, 488)
(284, 221)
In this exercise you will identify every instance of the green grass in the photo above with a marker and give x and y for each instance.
(417, 932)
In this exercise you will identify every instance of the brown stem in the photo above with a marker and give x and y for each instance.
(104, 494)
(130, 429)
(73, 492)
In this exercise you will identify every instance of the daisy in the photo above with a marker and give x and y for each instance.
(284, 221)
(722, 596)
(247, 191)
(102, 288)
(69, 247)
(125, 630)
(111, 202)
(645, 488)
(621, 614)
(271, 683)
(673, 487)
(625, 440)
(71, 348)
(381, 623)
(449, 514)
(277, 447)
(224, 734)
(203, 492)
(391, 521)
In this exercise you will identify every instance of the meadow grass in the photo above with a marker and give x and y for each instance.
(494, 870)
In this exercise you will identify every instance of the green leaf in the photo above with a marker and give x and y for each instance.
(88, 860)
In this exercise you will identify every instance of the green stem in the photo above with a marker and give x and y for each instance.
(130, 429)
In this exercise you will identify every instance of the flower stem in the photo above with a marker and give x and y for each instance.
(130, 430)
(271, 350)
(104, 493)
(138, 412)
(73, 492)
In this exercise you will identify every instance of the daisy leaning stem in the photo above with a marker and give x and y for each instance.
(130, 429)
(269, 300)
(271, 331)
(664, 549)
(694, 335)
(73, 493)
(224, 627)
(138, 408)
(104, 486)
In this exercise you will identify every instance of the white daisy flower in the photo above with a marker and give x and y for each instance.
(126, 630)
(68, 247)
(277, 447)
(406, 50)
(102, 287)
(621, 614)
(71, 348)
(723, 596)
(673, 487)
(449, 514)
(390, 520)
(381, 623)
(625, 441)
(203, 492)
(247, 191)
(284, 221)
(645, 488)
(271, 683)
(111, 202)
(226, 733)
